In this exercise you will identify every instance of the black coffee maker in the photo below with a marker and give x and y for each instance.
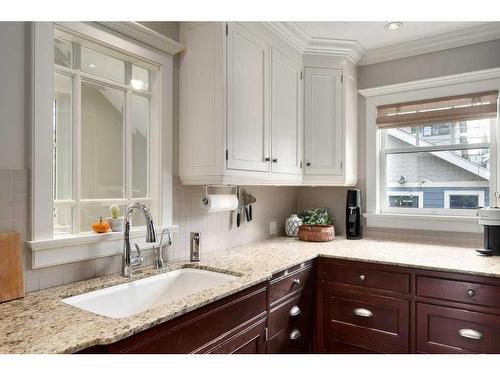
(353, 228)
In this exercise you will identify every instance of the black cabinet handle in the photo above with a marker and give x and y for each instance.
(275, 160)
(267, 159)
(308, 164)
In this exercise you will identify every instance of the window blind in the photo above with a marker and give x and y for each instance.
(473, 106)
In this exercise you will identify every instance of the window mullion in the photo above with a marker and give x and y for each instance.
(77, 112)
(128, 137)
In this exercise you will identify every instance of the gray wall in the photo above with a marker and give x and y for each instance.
(12, 95)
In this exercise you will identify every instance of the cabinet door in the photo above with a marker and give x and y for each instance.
(249, 341)
(247, 100)
(323, 121)
(286, 110)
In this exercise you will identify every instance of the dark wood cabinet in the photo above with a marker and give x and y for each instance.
(275, 317)
(337, 306)
(234, 323)
(291, 310)
(404, 310)
(366, 317)
(448, 330)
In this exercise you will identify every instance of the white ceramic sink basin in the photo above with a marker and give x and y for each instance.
(124, 300)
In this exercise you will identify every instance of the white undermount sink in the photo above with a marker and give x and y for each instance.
(124, 300)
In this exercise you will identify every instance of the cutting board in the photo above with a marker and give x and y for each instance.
(11, 270)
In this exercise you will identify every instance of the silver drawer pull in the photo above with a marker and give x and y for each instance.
(363, 312)
(294, 311)
(471, 293)
(362, 277)
(296, 282)
(470, 334)
(295, 334)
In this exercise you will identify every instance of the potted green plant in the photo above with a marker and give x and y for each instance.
(115, 221)
(316, 225)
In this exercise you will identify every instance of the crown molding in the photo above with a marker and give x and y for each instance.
(453, 39)
(454, 79)
(145, 35)
(351, 49)
(306, 44)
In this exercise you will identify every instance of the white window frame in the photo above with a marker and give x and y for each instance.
(419, 194)
(47, 250)
(449, 193)
(440, 220)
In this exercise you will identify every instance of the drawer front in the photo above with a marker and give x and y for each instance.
(376, 318)
(459, 291)
(361, 275)
(292, 340)
(294, 311)
(448, 330)
(348, 344)
(283, 286)
(194, 334)
(249, 341)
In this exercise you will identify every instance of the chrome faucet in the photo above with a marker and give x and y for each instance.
(158, 259)
(130, 263)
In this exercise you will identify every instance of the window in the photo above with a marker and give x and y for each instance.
(101, 132)
(464, 199)
(436, 155)
(407, 199)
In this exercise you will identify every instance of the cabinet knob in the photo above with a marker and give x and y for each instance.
(294, 311)
(275, 160)
(296, 282)
(470, 334)
(362, 277)
(308, 164)
(471, 293)
(295, 334)
(267, 159)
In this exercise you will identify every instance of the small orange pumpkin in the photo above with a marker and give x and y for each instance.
(101, 226)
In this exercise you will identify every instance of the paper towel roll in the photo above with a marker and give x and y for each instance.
(219, 202)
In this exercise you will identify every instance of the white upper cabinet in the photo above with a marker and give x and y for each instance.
(323, 130)
(286, 110)
(242, 101)
(247, 100)
(240, 108)
(330, 129)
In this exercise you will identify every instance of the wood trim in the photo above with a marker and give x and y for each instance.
(145, 35)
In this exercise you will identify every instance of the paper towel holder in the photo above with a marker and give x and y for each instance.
(206, 187)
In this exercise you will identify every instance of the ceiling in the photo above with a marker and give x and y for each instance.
(369, 42)
(372, 35)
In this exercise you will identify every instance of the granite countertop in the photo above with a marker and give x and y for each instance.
(41, 323)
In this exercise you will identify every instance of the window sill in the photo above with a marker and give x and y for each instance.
(85, 246)
(468, 224)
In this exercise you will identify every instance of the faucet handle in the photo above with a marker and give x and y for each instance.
(138, 249)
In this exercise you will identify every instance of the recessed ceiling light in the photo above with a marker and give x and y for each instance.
(391, 26)
(91, 66)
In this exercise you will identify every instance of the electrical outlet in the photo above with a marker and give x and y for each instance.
(273, 228)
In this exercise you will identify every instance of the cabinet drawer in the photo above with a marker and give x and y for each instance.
(292, 340)
(363, 275)
(375, 318)
(448, 330)
(281, 287)
(292, 312)
(459, 291)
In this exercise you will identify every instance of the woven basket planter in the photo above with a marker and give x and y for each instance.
(316, 233)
